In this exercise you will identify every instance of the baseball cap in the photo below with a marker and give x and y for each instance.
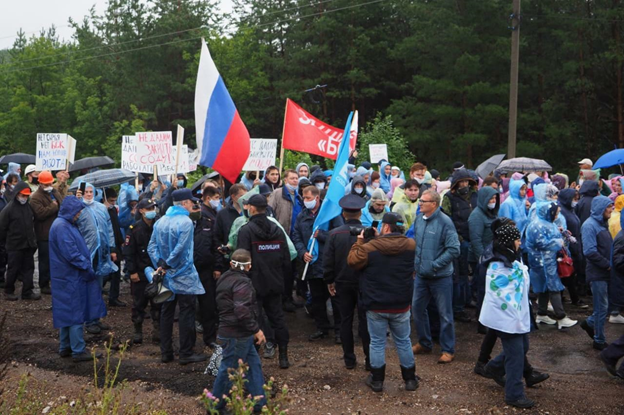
(264, 189)
(31, 168)
(146, 204)
(586, 161)
(258, 201)
(184, 194)
(392, 218)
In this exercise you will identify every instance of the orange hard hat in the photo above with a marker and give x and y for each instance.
(45, 177)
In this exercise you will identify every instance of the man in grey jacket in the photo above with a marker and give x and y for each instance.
(437, 245)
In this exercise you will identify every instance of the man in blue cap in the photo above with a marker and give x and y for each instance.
(343, 281)
(171, 250)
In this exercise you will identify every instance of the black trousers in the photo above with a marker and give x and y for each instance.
(186, 324)
(140, 302)
(3, 262)
(20, 263)
(320, 294)
(115, 280)
(348, 303)
(44, 264)
(489, 341)
(208, 315)
(289, 282)
(571, 284)
(272, 306)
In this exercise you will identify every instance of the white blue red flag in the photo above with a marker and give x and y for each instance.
(222, 138)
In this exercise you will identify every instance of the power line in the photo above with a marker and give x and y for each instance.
(34, 31)
(70, 53)
(190, 39)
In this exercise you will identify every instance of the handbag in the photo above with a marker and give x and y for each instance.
(565, 265)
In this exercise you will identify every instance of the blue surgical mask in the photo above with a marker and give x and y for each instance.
(291, 188)
(310, 205)
(150, 214)
(180, 183)
(215, 204)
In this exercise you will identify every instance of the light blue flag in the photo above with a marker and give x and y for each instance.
(336, 190)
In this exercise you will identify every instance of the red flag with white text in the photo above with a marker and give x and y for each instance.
(306, 133)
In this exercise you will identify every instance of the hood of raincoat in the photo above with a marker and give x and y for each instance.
(302, 164)
(361, 171)
(619, 203)
(544, 210)
(459, 175)
(514, 189)
(598, 206)
(70, 207)
(13, 167)
(566, 196)
(483, 197)
(559, 181)
(544, 192)
(358, 180)
(21, 185)
(537, 182)
(589, 188)
(318, 176)
(428, 178)
(246, 196)
(382, 171)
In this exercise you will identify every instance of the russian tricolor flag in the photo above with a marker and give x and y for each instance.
(222, 138)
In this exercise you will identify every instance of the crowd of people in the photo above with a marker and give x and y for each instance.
(408, 247)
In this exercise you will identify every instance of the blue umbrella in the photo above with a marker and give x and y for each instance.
(610, 159)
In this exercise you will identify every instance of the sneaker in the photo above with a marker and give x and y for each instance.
(523, 402)
(350, 364)
(479, 369)
(535, 377)
(545, 320)
(588, 329)
(65, 352)
(194, 358)
(496, 377)
(609, 364)
(269, 350)
(446, 358)
(93, 329)
(10, 297)
(565, 323)
(116, 303)
(581, 304)
(600, 346)
(103, 325)
(319, 334)
(85, 357)
(619, 319)
(420, 349)
(166, 358)
(31, 296)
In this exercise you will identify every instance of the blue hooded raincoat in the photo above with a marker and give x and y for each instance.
(384, 179)
(514, 207)
(543, 241)
(76, 292)
(13, 167)
(172, 241)
(544, 192)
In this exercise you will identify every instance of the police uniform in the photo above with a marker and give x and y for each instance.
(137, 259)
(346, 279)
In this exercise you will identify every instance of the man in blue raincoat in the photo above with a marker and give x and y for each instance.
(76, 295)
(171, 250)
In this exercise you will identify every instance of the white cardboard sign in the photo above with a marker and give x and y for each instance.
(54, 151)
(378, 152)
(262, 152)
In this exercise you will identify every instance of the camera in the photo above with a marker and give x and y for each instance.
(356, 230)
(369, 232)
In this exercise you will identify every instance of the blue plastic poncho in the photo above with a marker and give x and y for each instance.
(96, 228)
(76, 292)
(12, 169)
(543, 241)
(172, 242)
(514, 207)
(545, 192)
(127, 194)
(384, 179)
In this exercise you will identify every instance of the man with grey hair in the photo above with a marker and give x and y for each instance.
(437, 246)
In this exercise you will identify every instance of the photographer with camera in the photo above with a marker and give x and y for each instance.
(171, 249)
(343, 281)
(386, 264)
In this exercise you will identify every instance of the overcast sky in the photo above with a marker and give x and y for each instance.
(33, 15)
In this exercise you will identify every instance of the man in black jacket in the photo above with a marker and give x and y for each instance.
(271, 258)
(110, 201)
(343, 281)
(17, 234)
(227, 215)
(207, 262)
(137, 259)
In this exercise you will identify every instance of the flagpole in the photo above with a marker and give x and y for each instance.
(305, 270)
(282, 143)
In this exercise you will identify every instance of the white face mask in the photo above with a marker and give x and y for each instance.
(22, 200)
(291, 188)
(215, 204)
(420, 181)
(359, 190)
(87, 202)
(310, 205)
(491, 206)
(574, 203)
(48, 189)
(320, 186)
(375, 185)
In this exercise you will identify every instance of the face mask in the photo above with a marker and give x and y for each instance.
(2, 190)
(491, 206)
(420, 181)
(352, 174)
(11, 187)
(310, 205)
(375, 185)
(22, 200)
(246, 213)
(574, 203)
(87, 202)
(359, 190)
(35, 180)
(215, 204)
(581, 182)
(195, 216)
(320, 186)
(48, 189)
(463, 191)
(150, 214)
(291, 188)
(180, 183)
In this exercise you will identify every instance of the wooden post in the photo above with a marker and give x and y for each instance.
(281, 165)
(513, 80)
(179, 141)
(136, 182)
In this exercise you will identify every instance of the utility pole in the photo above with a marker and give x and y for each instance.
(514, 20)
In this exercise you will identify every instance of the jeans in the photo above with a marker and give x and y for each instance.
(460, 279)
(348, 302)
(440, 290)
(233, 350)
(186, 324)
(601, 304)
(399, 324)
(72, 337)
(44, 264)
(511, 363)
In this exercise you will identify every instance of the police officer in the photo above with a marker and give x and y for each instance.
(271, 258)
(137, 258)
(343, 281)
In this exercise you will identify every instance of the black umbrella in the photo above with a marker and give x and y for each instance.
(104, 178)
(19, 158)
(198, 184)
(489, 165)
(91, 162)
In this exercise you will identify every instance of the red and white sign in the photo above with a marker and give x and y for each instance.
(303, 132)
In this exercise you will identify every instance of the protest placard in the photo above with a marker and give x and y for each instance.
(155, 149)
(54, 151)
(378, 152)
(262, 152)
(183, 164)
(129, 156)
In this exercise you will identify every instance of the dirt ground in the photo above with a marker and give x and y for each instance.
(318, 381)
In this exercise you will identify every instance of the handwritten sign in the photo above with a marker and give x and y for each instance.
(378, 152)
(54, 151)
(129, 156)
(183, 164)
(155, 149)
(261, 154)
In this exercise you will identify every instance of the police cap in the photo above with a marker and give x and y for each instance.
(352, 203)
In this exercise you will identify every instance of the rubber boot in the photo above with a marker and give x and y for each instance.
(156, 331)
(376, 378)
(409, 376)
(283, 357)
(138, 333)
